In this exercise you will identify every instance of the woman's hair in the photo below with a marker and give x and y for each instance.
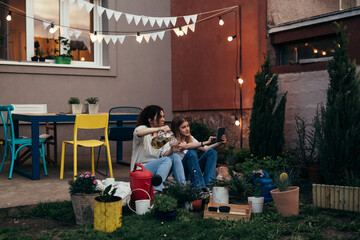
(148, 112)
(175, 126)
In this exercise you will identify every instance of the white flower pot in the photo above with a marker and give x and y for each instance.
(257, 204)
(76, 108)
(92, 108)
(220, 195)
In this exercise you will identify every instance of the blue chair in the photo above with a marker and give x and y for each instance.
(11, 142)
(119, 133)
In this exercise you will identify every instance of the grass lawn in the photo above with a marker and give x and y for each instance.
(56, 221)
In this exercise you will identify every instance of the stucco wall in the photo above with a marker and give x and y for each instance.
(139, 75)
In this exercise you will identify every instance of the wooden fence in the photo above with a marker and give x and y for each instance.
(336, 197)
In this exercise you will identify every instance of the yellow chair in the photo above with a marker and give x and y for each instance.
(88, 122)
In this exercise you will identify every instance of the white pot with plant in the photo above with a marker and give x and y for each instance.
(76, 106)
(257, 200)
(92, 106)
(220, 191)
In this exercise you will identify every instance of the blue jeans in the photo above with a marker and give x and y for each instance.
(178, 169)
(195, 167)
(160, 166)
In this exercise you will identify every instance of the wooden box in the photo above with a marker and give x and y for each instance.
(236, 211)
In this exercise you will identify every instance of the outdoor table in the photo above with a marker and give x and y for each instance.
(36, 119)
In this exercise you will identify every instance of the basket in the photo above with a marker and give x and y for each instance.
(242, 212)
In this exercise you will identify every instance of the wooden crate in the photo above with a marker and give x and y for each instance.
(236, 211)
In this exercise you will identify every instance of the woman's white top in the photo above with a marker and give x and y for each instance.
(182, 153)
(142, 151)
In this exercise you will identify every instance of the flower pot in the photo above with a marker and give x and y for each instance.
(62, 60)
(83, 205)
(257, 204)
(314, 174)
(92, 108)
(76, 108)
(107, 215)
(165, 216)
(287, 202)
(220, 195)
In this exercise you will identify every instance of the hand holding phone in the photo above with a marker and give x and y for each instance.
(220, 132)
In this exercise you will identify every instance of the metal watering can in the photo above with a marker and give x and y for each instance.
(265, 185)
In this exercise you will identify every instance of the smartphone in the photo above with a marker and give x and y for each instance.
(220, 132)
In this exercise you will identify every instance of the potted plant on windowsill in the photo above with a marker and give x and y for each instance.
(165, 207)
(65, 57)
(286, 197)
(83, 192)
(92, 107)
(107, 210)
(76, 106)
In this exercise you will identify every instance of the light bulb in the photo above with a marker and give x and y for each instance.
(230, 38)
(323, 53)
(52, 29)
(138, 37)
(82, 59)
(240, 80)
(221, 22)
(237, 122)
(93, 37)
(316, 51)
(181, 33)
(8, 17)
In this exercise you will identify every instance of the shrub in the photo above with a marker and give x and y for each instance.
(83, 183)
(164, 203)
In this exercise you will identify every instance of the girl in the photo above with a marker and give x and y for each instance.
(159, 161)
(200, 171)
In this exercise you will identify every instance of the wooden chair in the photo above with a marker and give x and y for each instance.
(88, 122)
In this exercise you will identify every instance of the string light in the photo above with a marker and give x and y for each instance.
(230, 38)
(181, 33)
(52, 28)
(237, 122)
(93, 37)
(323, 53)
(8, 17)
(240, 80)
(316, 51)
(221, 22)
(138, 37)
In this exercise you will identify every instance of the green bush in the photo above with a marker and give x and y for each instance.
(200, 131)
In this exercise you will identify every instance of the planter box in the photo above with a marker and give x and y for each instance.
(336, 197)
(236, 211)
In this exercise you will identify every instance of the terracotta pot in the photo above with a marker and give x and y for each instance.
(287, 203)
(83, 205)
(314, 174)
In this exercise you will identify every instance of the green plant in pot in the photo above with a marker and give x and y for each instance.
(107, 210)
(286, 196)
(240, 187)
(76, 106)
(220, 190)
(92, 106)
(184, 195)
(165, 207)
(65, 57)
(83, 192)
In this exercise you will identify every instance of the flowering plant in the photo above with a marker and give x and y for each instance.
(258, 173)
(83, 183)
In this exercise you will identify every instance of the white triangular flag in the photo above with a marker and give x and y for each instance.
(187, 19)
(129, 17)
(185, 29)
(100, 10)
(152, 21)
(153, 36)
(109, 13)
(176, 31)
(147, 37)
(192, 27)
(161, 35)
(193, 18)
(166, 21)
(89, 6)
(159, 21)
(100, 38)
(70, 32)
(114, 39)
(71, 1)
(46, 25)
(173, 21)
(117, 15)
(137, 19)
(107, 39)
(121, 39)
(145, 20)
(77, 33)
(63, 32)
(81, 3)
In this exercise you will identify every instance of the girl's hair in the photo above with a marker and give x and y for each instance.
(148, 112)
(175, 126)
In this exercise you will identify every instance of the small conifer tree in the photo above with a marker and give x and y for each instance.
(267, 117)
(338, 123)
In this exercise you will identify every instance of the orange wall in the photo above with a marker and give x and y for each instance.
(203, 62)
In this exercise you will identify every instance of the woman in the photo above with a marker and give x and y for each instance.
(200, 171)
(159, 161)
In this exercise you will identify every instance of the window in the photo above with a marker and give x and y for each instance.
(26, 39)
(305, 51)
